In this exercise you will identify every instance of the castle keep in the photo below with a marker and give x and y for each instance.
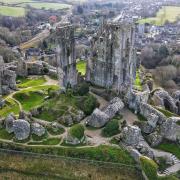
(65, 55)
(112, 63)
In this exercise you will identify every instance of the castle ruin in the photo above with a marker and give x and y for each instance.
(113, 62)
(7, 78)
(65, 55)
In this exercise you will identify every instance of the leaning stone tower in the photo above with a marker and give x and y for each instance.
(65, 55)
(113, 62)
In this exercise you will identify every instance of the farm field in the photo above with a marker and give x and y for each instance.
(15, 1)
(8, 10)
(12, 11)
(166, 13)
(54, 6)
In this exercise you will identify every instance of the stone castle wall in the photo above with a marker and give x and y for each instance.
(112, 63)
(66, 60)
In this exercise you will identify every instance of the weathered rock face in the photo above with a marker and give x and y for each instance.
(136, 98)
(176, 96)
(22, 69)
(35, 68)
(145, 150)
(73, 140)
(112, 63)
(146, 110)
(7, 78)
(72, 117)
(152, 120)
(149, 126)
(9, 123)
(8, 81)
(65, 55)
(55, 127)
(78, 116)
(131, 135)
(38, 129)
(21, 129)
(162, 98)
(170, 130)
(115, 106)
(154, 139)
(67, 119)
(100, 118)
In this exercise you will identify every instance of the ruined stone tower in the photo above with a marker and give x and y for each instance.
(65, 55)
(7, 78)
(112, 63)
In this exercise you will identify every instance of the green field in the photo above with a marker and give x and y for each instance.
(54, 6)
(166, 13)
(12, 11)
(30, 82)
(10, 107)
(15, 1)
(81, 67)
(20, 11)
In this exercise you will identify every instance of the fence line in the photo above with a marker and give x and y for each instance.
(48, 156)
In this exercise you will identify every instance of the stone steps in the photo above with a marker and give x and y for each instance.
(175, 159)
(166, 172)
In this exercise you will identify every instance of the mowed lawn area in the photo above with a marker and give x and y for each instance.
(81, 67)
(12, 11)
(166, 13)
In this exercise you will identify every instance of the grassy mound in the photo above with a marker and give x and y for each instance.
(49, 141)
(66, 104)
(166, 112)
(137, 82)
(87, 104)
(77, 131)
(81, 67)
(55, 132)
(5, 135)
(30, 82)
(10, 107)
(111, 129)
(149, 167)
(100, 153)
(170, 147)
(33, 97)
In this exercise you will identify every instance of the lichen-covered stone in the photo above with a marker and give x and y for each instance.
(154, 139)
(21, 129)
(7, 78)
(162, 98)
(131, 135)
(38, 129)
(152, 120)
(170, 130)
(98, 119)
(115, 106)
(9, 123)
(147, 109)
(78, 116)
